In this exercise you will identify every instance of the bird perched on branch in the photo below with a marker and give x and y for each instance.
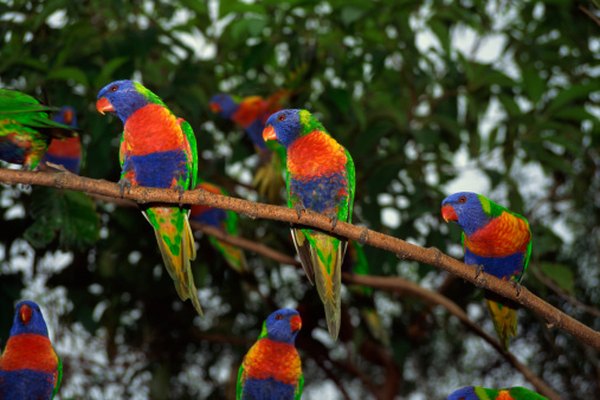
(26, 129)
(497, 240)
(272, 369)
(29, 366)
(481, 393)
(226, 221)
(158, 150)
(320, 177)
(251, 113)
(65, 151)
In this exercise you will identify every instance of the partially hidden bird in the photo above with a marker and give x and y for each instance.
(26, 129)
(251, 113)
(497, 240)
(224, 220)
(481, 393)
(320, 177)
(30, 369)
(272, 368)
(158, 150)
(65, 152)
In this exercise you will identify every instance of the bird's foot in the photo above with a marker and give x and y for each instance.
(124, 183)
(478, 271)
(180, 191)
(364, 236)
(517, 287)
(299, 210)
(334, 220)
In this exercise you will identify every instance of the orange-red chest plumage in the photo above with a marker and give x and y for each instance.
(315, 155)
(152, 128)
(271, 359)
(501, 237)
(29, 351)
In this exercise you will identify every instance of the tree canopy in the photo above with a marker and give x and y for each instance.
(429, 98)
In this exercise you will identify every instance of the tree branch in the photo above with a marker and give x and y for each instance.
(402, 249)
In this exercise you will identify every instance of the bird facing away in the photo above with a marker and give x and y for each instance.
(481, 393)
(158, 150)
(26, 129)
(251, 113)
(226, 221)
(320, 177)
(272, 369)
(65, 151)
(497, 239)
(29, 366)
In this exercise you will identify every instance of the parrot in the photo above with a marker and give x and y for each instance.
(225, 220)
(251, 113)
(30, 369)
(356, 262)
(497, 240)
(158, 150)
(320, 177)
(26, 129)
(272, 368)
(481, 393)
(65, 151)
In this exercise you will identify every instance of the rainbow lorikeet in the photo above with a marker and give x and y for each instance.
(320, 177)
(481, 393)
(65, 151)
(158, 150)
(496, 239)
(272, 369)
(251, 113)
(26, 129)
(225, 220)
(29, 366)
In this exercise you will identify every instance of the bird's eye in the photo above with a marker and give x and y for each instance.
(281, 117)
(114, 88)
(278, 317)
(462, 199)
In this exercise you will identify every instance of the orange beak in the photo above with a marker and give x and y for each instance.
(295, 323)
(269, 133)
(215, 107)
(104, 106)
(68, 117)
(448, 213)
(25, 313)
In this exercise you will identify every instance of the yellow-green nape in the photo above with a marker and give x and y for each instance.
(263, 331)
(147, 93)
(485, 204)
(305, 117)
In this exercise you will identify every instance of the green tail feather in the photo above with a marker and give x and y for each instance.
(505, 321)
(177, 249)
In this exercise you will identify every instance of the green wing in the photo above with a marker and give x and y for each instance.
(299, 388)
(191, 138)
(58, 378)
(240, 382)
(350, 171)
(27, 111)
(520, 393)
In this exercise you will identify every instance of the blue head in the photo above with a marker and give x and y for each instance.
(286, 126)
(466, 393)
(67, 116)
(466, 209)
(224, 105)
(282, 325)
(28, 319)
(123, 98)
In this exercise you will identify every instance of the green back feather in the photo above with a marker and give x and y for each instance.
(191, 138)
(26, 110)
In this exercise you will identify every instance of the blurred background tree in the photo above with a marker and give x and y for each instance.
(429, 97)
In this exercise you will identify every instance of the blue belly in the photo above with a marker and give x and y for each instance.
(213, 217)
(158, 169)
(26, 384)
(11, 152)
(502, 267)
(267, 389)
(319, 194)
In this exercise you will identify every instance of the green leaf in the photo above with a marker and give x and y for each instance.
(560, 274)
(532, 83)
(510, 105)
(572, 93)
(351, 14)
(68, 73)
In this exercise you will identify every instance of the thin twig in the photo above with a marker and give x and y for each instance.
(589, 14)
(430, 256)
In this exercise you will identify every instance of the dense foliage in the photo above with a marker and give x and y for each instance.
(428, 97)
